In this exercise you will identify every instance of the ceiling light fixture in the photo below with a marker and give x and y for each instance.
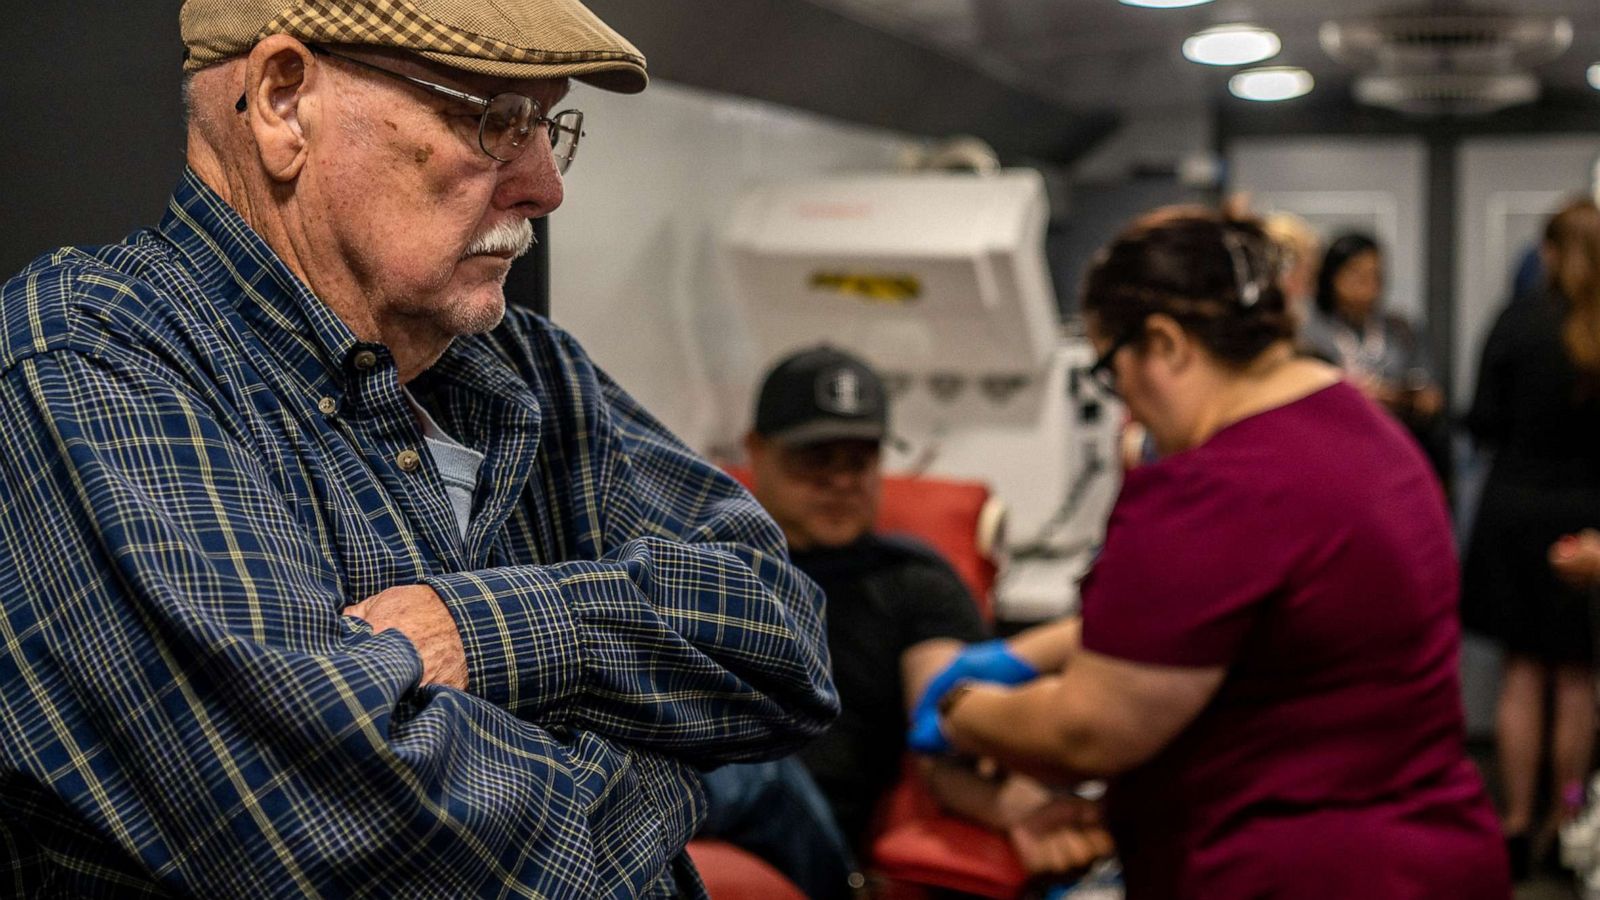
(1594, 76)
(1232, 45)
(1271, 84)
(1164, 4)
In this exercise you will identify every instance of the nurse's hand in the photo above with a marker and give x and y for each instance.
(927, 735)
(991, 661)
(1576, 559)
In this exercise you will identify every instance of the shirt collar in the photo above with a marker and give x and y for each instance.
(236, 267)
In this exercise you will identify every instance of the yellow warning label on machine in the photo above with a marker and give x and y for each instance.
(870, 287)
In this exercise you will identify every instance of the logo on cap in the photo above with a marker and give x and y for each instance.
(841, 393)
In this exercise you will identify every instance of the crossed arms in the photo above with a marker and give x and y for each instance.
(183, 701)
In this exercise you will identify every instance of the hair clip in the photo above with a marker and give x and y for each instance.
(1249, 288)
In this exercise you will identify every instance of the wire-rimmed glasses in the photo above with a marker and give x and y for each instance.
(506, 121)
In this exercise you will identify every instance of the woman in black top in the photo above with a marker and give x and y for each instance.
(1538, 407)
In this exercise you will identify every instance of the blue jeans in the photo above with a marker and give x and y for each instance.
(775, 811)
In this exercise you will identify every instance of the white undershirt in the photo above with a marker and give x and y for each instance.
(457, 463)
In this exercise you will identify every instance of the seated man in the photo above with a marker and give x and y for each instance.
(896, 615)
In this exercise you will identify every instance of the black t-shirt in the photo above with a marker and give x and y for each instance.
(885, 594)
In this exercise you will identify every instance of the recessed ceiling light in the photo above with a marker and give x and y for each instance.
(1271, 83)
(1594, 76)
(1164, 4)
(1232, 45)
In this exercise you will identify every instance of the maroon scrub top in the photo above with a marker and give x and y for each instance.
(1307, 550)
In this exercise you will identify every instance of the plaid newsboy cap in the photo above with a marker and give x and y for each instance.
(500, 38)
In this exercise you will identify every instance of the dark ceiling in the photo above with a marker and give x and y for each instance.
(1101, 54)
(810, 56)
(1045, 80)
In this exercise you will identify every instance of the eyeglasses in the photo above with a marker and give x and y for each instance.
(506, 122)
(1102, 373)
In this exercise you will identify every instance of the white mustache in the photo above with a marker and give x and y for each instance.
(513, 236)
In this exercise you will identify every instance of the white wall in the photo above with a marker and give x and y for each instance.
(1376, 185)
(1508, 188)
(635, 269)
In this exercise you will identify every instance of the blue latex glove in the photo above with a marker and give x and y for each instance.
(990, 661)
(926, 736)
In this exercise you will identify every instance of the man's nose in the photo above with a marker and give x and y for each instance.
(531, 184)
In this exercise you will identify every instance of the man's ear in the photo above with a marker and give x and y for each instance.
(278, 75)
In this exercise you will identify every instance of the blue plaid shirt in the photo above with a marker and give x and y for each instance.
(202, 467)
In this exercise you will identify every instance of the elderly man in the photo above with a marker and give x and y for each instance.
(320, 573)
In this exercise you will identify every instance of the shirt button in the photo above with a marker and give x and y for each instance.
(365, 360)
(327, 406)
(408, 460)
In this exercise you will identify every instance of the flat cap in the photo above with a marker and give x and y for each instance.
(499, 38)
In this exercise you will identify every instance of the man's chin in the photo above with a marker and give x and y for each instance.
(838, 534)
(478, 312)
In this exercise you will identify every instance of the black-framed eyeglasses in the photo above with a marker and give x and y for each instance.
(1102, 373)
(507, 120)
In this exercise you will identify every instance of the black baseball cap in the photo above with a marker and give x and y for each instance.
(822, 394)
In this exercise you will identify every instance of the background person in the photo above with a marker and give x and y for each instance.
(896, 613)
(1268, 665)
(322, 573)
(1300, 259)
(1382, 353)
(1537, 407)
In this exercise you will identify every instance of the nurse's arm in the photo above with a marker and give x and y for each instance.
(1100, 717)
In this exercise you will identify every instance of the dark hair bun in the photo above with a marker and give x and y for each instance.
(1216, 276)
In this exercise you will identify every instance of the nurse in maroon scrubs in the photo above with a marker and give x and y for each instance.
(1267, 672)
